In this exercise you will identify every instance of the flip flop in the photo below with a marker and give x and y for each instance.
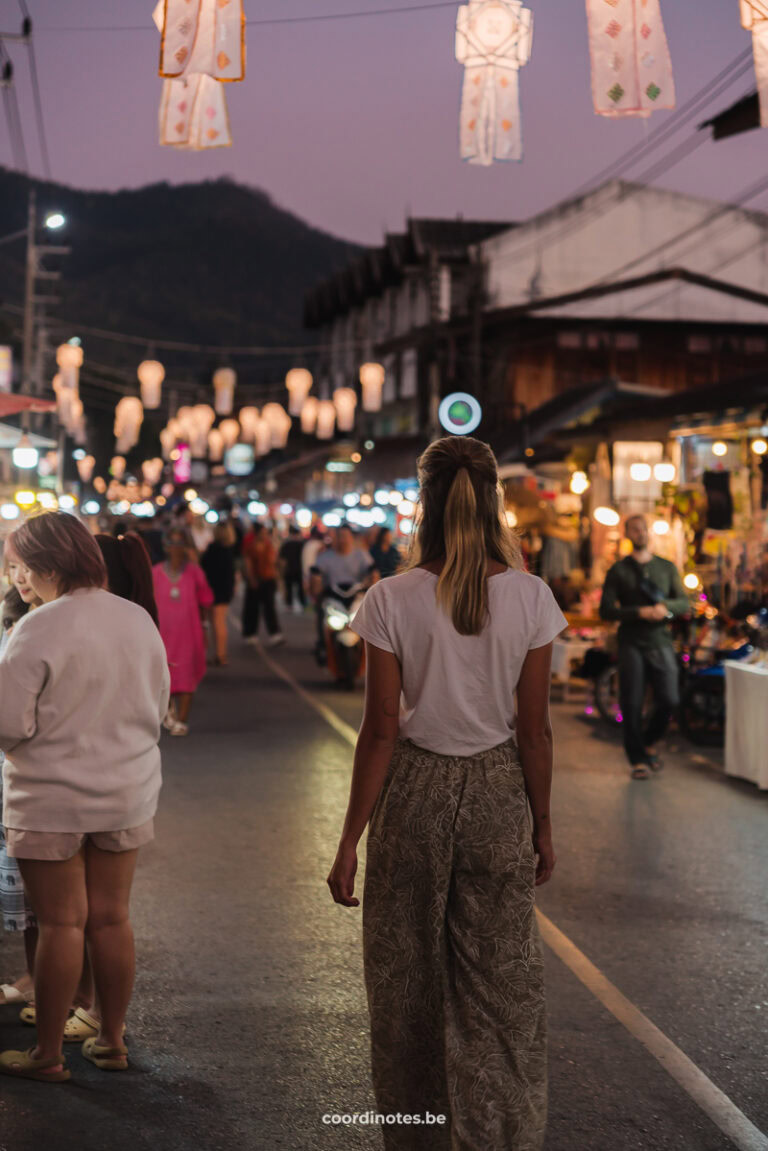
(21, 1065)
(11, 994)
(105, 1058)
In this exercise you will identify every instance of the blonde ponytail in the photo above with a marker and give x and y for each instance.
(461, 589)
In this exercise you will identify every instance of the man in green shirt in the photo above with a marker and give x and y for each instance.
(643, 592)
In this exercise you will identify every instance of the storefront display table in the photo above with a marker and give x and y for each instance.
(746, 722)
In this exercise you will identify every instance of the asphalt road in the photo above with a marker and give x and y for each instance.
(249, 1020)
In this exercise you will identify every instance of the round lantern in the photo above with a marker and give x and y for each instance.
(117, 467)
(248, 419)
(85, 468)
(298, 382)
(345, 402)
(279, 422)
(224, 381)
(372, 378)
(230, 431)
(326, 420)
(309, 415)
(151, 374)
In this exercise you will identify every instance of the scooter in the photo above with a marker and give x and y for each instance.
(345, 649)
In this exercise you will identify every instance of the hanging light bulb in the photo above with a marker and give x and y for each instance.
(759, 447)
(345, 402)
(230, 430)
(372, 378)
(280, 423)
(224, 380)
(85, 468)
(719, 448)
(25, 456)
(309, 415)
(298, 382)
(151, 374)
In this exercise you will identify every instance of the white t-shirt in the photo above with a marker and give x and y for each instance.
(458, 693)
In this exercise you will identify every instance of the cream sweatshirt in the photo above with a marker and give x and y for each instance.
(84, 688)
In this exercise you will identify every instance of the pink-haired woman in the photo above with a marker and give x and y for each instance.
(84, 687)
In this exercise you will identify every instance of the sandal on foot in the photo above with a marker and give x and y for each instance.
(640, 771)
(22, 1065)
(80, 1026)
(28, 1015)
(11, 994)
(105, 1058)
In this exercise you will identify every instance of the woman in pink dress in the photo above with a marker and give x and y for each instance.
(182, 595)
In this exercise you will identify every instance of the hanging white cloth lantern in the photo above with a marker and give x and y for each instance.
(372, 377)
(326, 420)
(117, 467)
(230, 430)
(151, 374)
(185, 423)
(64, 397)
(85, 469)
(345, 402)
(309, 415)
(631, 65)
(152, 471)
(493, 41)
(75, 416)
(199, 421)
(215, 445)
(224, 381)
(69, 357)
(167, 442)
(193, 114)
(129, 416)
(754, 17)
(298, 382)
(249, 418)
(279, 422)
(80, 433)
(263, 442)
(202, 36)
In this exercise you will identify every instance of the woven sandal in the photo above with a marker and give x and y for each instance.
(22, 1065)
(105, 1058)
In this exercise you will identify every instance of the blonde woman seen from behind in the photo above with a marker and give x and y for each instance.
(453, 759)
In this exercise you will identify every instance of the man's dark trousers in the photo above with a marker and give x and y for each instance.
(638, 667)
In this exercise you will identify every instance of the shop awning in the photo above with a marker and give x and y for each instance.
(11, 404)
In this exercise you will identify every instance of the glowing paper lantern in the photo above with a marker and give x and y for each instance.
(100, 485)
(152, 470)
(200, 420)
(279, 422)
(117, 467)
(151, 375)
(309, 415)
(215, 445)
(85, 468)
(372, 378)
(493, 41)
(326, 420)
(298, 382)
(631, 65)
(230, 431)
(167, 442)
(224, 381)
(249, 418)
(202, 36)
(754, 17)
(345, 402)
(263, 440)
(185, 423)
(74, 421)
(193, 114)
(129, 416)
(69, 357)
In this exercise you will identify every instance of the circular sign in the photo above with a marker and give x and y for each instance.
(460, 414)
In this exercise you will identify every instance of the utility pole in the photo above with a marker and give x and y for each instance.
(433, 422)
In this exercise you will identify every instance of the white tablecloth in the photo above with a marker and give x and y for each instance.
(746, 722)
(564, 651)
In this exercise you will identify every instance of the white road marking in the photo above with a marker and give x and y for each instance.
(713, 1102)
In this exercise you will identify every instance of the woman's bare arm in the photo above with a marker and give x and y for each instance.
(534, 743)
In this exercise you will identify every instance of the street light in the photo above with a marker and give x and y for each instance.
(54, 221)
(24, 454)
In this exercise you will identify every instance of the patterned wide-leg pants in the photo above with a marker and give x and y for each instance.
(453, 963)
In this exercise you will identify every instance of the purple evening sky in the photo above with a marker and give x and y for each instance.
(351, 124)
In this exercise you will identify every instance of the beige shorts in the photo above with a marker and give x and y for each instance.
(61, 845)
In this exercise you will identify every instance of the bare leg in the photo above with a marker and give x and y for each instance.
(57, 893)
(109, 876)
(183, 704)
(30, 947)
(85, 995)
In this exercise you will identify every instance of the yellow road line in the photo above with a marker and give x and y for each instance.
(713, 1102)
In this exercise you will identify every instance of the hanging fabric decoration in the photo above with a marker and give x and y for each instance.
(631, 65)
(202, 47)
(754, 17)
(493, 41)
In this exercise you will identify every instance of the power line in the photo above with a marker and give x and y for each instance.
(37, 99)
(325, 16)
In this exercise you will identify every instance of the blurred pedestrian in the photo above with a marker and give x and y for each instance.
(260, 561)
(218, 563)
(183, 598)
(290, 554)
(15, 911)
(386, 557)
(83, 689)
(453, 962)
(129, 570)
